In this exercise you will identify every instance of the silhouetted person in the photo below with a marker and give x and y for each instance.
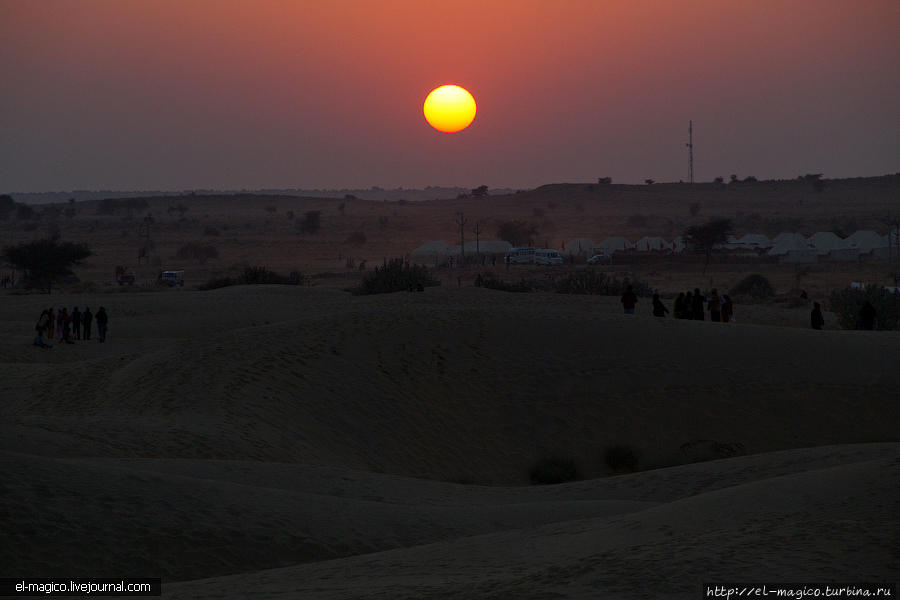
(678, 308)
(51, 324)
(727, 308)
(39, 329)
(63, 322)
(76, 323)
(715, 307)
(629, 300)
(659, 309)
(688, 306)
(86, 318)
(816, 320)
(867, 316)
(102, 320)
(697, 305)
(420, 287)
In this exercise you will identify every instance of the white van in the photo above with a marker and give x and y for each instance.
(543, 256)
(520, 256)
(172, 278)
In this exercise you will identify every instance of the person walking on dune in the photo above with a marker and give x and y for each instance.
(76, 323)
(86, 318)
(816, 320)
(715, 307)
(629, 300)
(659, 309)
(727, 308)
(102, 321)
(678, 309)
(63, 321)
(697, 306)
(51, 323)
(39, 328)
(688, 312)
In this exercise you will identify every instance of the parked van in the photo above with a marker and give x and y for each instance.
(172, 278)
(520, 256)
(544, 256)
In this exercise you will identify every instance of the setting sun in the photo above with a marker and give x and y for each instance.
(449, 108)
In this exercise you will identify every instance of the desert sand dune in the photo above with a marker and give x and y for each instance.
(302, 442)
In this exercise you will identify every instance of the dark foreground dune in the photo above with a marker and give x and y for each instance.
(306, 443)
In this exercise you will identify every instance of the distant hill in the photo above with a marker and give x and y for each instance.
(372, 193)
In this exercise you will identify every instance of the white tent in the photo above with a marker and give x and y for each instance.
(614, 244)
(825, 241)
(578, 246)
(651, 244)
(787, 242)
(679, 244)
(866, 241)
(754, 241)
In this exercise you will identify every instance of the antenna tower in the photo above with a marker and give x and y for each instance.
(690, 147)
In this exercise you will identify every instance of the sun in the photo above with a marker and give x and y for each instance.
(449, 108)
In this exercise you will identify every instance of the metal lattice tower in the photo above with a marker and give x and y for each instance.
(690, 147)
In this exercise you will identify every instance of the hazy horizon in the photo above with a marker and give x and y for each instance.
(171, 96)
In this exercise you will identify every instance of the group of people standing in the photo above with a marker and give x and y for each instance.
(64, 325)
(690, 305)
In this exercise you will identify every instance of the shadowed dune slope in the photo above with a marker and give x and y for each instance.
(461, 385)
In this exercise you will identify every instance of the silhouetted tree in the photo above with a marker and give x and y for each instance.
(648, 181)
(719, 179)
(43, 261)
(480, 191)
(7, 204)
(702, 238)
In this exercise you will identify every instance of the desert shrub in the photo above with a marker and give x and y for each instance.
(394, 276)
(311, 221)
(357, 238)
(755, 286)
(846, 304)
(255, 276)
(551, 470)
(197, 251)
(589, 281)
(636, 221)
(402, 201)
(621, 459)
(211, 231)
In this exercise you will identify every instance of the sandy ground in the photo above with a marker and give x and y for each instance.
(290, 442)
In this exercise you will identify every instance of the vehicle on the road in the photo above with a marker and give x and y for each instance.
(172, 278)
(520, 256)
(600, 259)
(546, 256)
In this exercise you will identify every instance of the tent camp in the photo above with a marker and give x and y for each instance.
(678, 244)
(787, 242)
(580, 246)
(651, 244)
(825, 241)
(614, 244)
(867, 241)
(755, 241)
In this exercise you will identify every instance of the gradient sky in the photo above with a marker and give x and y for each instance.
(180, 94)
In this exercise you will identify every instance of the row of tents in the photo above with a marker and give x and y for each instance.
(787, 247)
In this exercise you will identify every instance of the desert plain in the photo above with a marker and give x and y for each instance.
(299, 441)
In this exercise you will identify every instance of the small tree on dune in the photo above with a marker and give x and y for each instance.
(702, 238)
(43, 261)
(480, 191)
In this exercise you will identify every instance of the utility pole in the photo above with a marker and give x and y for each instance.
(477, 231)
(461, 221)
(690, 146)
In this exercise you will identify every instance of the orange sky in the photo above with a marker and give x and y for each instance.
(177, 94)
